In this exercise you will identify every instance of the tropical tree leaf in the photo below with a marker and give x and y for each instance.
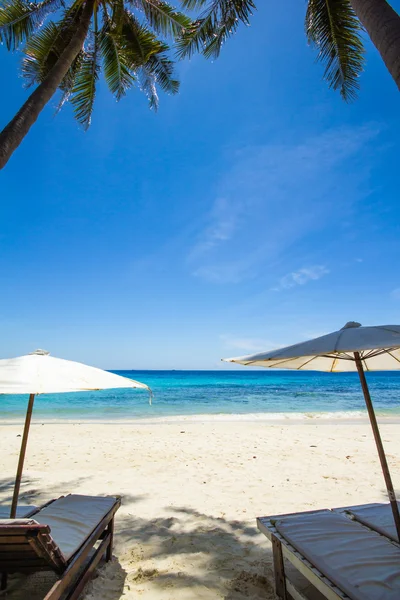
(215, 25)
(69, 80)
(139, 42)
(45, 47)
(162, 67)
(147, 84)
(83, 91)
(163, 18)
(116, 62)
(333, 28)
(37, 50)
(19, 19)
(158, 70)
(117, 15)
(193, 4)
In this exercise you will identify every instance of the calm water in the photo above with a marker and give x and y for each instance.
(185, 393)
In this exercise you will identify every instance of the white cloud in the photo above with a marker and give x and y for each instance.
(221, 227)
(222, 273)
(301, 277)
(273, 196)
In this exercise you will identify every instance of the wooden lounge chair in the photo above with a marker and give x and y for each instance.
(340, 557)
(23, 512)
(68, 536)
(377, 516)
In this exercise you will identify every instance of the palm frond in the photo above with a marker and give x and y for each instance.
(193, 4)
(37, 50)
(45, 47)
(148, 59)
(69, 80)
(147, 84)
(116, 61)
(162, 69)
(19, 19)
(214, 26)
(163, 18)
(333, 28)
(83, 91)
(139, 42)
(117, 15)
(158, 70)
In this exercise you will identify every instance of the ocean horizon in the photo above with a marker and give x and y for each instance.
(236, 394)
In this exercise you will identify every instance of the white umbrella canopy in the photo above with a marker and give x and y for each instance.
(40, 373)
(379, 349)
(352, 348)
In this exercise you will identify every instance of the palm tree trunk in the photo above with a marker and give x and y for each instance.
(383, 27)
(13, 134)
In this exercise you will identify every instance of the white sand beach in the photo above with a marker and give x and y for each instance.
(191, 492)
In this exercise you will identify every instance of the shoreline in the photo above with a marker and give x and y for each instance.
(347, 417)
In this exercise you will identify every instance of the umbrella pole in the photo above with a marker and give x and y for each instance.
(22, 457)
(378, 441)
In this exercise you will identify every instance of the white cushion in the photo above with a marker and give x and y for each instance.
(16, 522)
(378, 517)
(362, 563)
(73, 518)
(22, 511)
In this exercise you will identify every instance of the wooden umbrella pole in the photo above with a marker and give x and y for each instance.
(379, 445)
(24, 441)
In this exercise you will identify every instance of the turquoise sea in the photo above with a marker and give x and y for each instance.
(183, 394)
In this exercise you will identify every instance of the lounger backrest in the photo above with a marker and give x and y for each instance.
(378, 517)
(73, 518)
(25, 545)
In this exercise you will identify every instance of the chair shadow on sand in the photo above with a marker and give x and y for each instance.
(29, 494)
(227, 559)
(210, 557)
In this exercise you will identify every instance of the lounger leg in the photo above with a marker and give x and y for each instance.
(109, 550)
(279, 569)
(3, 584)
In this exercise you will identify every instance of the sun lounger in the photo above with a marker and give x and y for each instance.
(61, 537)
(378, 517)
(22, 511)
(340, 557)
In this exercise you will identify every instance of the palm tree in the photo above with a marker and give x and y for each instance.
(119, 36)
(68, 54)
(334, 27)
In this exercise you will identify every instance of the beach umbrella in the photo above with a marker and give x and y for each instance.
(40, 373)
(352, 348)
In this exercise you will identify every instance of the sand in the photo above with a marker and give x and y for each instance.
(191, 492)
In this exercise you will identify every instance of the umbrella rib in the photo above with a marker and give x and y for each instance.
(378, 352)
(390, 354)
(341, 355)
(345, 356)
(279, 361)
(333, 364)
(306, 363)
(374, 352)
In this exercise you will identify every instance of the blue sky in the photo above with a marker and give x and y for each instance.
(255, 209)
